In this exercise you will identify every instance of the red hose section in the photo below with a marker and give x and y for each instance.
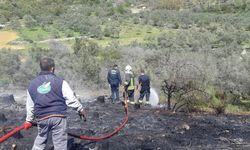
(6, 136)
(111, 134)
(106, 136)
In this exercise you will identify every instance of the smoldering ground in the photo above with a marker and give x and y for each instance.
(147, 129)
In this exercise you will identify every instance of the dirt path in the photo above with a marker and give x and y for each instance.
(8, 36)
(59, 39)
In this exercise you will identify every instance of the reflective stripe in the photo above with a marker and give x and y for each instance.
(132, 85)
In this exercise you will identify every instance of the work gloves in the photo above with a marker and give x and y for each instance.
(82, 114)
(27, 125)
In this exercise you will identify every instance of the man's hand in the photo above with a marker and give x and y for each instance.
(27, 125)
(82, 114)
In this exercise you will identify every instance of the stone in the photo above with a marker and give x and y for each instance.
(96, 115)
(101, 99)
(7, 99)
(2, 118)
(137, 106)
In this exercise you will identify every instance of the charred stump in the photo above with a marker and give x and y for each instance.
(2, 118)
(101, 99)
(7, 99)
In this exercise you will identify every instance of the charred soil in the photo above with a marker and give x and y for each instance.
(147, 129)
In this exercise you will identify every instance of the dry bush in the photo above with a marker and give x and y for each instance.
(171, 4)
(185, 85)
(220, 109)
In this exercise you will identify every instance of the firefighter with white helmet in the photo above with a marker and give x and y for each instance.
(129, 84)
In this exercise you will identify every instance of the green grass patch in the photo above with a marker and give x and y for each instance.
(246, 103)
(215, 101)
(130, 33)
(39, 45)
(233, 109)
(45, 45)
(246, 44)
(34, 34)
(243, 107)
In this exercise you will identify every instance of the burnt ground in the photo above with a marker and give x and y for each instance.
(147, 129)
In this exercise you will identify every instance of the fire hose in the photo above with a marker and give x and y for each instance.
(6, 136)
(125, 105)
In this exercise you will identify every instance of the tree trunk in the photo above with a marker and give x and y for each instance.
(169, 101)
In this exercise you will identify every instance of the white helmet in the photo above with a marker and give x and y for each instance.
(128, 68)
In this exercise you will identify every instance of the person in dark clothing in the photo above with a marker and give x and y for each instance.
(129, 84)
(114, 80)
(47, 99)
(144, 84)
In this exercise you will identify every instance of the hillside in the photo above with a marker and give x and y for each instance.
(196, 52)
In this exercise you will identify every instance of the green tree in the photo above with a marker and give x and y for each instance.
(86, 63)
(29, 21)
(10, 64)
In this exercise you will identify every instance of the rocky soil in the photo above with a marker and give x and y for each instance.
(147, 129)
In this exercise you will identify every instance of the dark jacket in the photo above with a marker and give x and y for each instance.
(114, 77)
(144, 81)
(46, 93)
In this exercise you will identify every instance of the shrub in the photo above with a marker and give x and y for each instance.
(29, 21)
(69, 33)
(28, 70)
(171, 4)
(111, 30)
(10, 64)
(220, 109)
(185, 84)
(85, 56)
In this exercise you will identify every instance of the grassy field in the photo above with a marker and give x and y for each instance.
(129, 33)
(34, 34)
(132, 33)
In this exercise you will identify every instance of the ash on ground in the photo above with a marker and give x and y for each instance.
(147, 129)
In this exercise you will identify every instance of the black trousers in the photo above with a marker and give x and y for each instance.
(144, 93)
(130, 94)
